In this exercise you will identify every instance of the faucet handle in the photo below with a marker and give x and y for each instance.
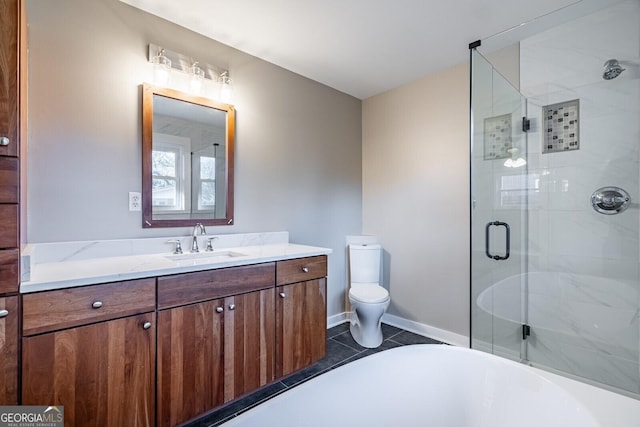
(178, 248)
(210, 244)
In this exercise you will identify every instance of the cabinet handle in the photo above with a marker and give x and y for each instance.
(146, 325)
(97, 304)
(282, 295)
(4, 141)
(219, 309)
(305, 269)
(232, 306)
(4, 313)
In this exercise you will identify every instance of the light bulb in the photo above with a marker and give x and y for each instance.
(196, 81)
(226, 89)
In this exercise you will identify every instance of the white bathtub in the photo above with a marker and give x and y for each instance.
(441, 386)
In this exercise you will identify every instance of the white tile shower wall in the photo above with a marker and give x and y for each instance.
(586, 322)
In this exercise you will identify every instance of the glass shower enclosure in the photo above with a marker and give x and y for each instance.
(555, 192)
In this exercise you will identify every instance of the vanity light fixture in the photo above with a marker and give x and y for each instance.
(197, 74)
(161, 68)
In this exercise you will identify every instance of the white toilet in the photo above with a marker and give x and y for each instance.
(368, 299)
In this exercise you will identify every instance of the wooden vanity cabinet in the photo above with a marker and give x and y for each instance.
(92, 349)
(12, 128)
(216, 341)
(221, 334)
(301, 314)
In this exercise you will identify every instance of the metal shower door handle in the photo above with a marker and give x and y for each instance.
(487, 250)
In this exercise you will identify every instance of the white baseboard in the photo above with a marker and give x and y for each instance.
(337, 319)
(411, 326)
(426, 330)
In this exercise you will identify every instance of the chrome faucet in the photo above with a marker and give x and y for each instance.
(194, 244)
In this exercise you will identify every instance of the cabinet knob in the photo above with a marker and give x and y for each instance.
(4, 141)
(4, 313)
(146, 325)
(232, 306)
(305, 269)
(282, 295)
(97, 304)
(219, 309)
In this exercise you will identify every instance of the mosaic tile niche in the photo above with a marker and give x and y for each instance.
(561, 128)
(497, 137)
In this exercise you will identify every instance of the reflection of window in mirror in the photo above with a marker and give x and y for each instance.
(170, 189)
(204, 173)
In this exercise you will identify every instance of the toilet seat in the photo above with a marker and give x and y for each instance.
(368, 294)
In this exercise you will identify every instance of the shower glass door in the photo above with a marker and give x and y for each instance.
(499, 184)
(566, 181)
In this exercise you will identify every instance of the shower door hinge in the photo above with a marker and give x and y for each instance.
(526, 331)
(526, 124)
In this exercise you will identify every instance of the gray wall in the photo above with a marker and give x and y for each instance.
(298, 143)
(416, 198)
(415, 143)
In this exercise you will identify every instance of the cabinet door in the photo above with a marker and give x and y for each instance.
(9, 351)
(102, 374)
(190, 361)
(301, 325)
(9, 46)
(249, 342)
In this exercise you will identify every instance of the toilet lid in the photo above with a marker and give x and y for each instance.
(368, 293)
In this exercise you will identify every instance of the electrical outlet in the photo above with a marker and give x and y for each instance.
(135, 201)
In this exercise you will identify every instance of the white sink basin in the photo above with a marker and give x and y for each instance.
(204, 256)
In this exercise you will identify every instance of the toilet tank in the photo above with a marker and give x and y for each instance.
(364, 263)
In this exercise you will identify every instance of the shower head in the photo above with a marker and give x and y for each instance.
(612, 69)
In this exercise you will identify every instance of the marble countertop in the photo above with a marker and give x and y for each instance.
(76, 267)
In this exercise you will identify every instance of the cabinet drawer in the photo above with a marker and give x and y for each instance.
(9, 261)
(188, 288)
(64, 308)
(301, 269)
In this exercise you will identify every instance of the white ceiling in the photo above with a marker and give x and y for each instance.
(360, 47)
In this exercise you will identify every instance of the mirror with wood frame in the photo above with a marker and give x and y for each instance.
(187, 159)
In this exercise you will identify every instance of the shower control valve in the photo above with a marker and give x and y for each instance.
(610, 200)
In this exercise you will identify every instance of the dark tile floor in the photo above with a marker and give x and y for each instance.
(341, 349)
